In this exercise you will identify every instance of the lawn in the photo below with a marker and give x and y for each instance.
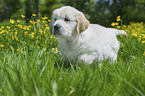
(31, 64)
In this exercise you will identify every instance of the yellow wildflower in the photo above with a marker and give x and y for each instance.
(21, 49)
(16, 33)
(144, 53)
(46, 17)
(12, 21)
(43, 18)
(118, 27)
(20, 26)
(47, 28)
(134, 34)
(34, 15)
(8, 27)
(118, 18)
(38, 20)
(12, 48)
(113, 24)
(17, 49)
(18, 21)
(143, 41)
(49, 20)
(51, 36)
(2, 27)
(22, 16)
(2, 45)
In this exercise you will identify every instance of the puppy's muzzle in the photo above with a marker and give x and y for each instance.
(57, 28)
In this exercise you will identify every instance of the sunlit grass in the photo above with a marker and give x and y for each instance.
(31, 64)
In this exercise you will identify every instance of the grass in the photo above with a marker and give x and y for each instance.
(31, 65)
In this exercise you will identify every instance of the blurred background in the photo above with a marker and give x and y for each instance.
(102, 12)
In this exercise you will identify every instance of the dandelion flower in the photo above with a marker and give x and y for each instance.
(144, 53)
(113, 24)
(47, 28)
(38, 20)
(18, 21)
(34, 15)
(143, 41)
(49, 20)
(22, 16)
(12, 21)
(8, 27)
(2, 45)
(2, 27)
(118, 27)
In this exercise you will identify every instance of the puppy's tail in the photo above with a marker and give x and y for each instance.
(119, 32)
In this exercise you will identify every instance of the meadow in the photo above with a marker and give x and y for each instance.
(31, 63)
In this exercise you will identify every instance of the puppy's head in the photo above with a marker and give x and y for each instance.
(68, 21)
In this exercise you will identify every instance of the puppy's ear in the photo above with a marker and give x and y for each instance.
(50, 27)
(83, 23)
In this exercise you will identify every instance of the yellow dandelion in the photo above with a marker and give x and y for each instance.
(17, 49)
(47, 28)
(46, 17)
(2, 45)
(31, 21)
(51, 36)
(21, 49)
(134, 34)
(118, 19)
(2, 27)
(56, 49)
(49, 20)
(43, 18)
(52, 49)
(118, 27)
(12, 48)
(143, 41)
(46, 24)
(22, 16)
(34, 15)
(12, 21)
(144, 53)
(18, 21)
(16, 33)
(38, 20)
(139, 39)
(113, 24)
(20, 26)
(124, 26)
(8, 27)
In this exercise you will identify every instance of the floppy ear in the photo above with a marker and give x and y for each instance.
(50, 27)
(83, 23)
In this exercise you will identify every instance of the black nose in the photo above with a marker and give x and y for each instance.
(57, 27)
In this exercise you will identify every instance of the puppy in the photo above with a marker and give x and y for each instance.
(80, 41)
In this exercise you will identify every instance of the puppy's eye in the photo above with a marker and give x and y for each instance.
(66, 19)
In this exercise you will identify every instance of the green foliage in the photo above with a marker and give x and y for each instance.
(40, 71)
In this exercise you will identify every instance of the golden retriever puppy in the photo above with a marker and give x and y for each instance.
(80, 41)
